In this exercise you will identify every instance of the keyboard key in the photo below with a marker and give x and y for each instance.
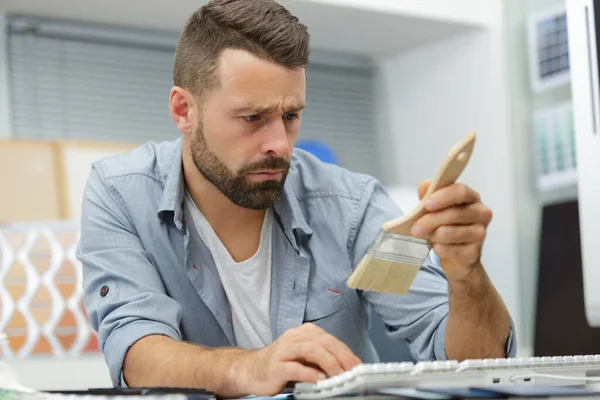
(524, 362)
(347, 375)
(569, 360)
(471, 365)
(336, 380)
(399, 367)
(579, 360)
(435, 366)
(500, 363)
(359, 369)
(323, 384)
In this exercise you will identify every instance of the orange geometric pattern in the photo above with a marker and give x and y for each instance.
(41, 295)
(16, 281)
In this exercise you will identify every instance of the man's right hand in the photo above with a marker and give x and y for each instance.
(303, 354)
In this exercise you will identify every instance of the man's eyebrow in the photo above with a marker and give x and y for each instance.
(253, 109)
(297, 108)
(260, 109)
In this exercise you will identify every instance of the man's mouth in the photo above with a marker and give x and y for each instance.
(266, 174)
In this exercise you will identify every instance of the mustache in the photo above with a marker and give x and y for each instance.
(267, 163)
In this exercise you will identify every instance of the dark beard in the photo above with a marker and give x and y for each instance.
(237, 187)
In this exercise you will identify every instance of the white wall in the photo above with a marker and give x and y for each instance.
(471, 11)
(429, 98)
(524, 102)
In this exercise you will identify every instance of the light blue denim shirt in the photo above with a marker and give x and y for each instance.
(146, 271)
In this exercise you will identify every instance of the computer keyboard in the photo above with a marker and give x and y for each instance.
(368, 378)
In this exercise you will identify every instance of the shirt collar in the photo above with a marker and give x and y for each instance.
(290, 213)
(172, 197)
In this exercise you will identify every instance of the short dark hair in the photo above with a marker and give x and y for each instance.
(264, 28)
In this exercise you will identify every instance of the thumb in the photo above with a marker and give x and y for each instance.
(423, 186)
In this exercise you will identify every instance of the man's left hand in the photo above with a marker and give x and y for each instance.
(456, 225)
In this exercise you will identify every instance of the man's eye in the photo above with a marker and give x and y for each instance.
(290, 116)
(253, 118)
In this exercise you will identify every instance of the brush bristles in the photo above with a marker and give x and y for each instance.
(383, 276)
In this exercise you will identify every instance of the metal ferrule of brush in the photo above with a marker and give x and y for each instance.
(400, 248)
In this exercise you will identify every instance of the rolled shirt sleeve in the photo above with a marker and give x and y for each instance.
(124, 296)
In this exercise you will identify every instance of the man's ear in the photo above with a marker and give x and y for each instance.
(183, 109)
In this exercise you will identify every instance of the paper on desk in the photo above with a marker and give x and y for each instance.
(10, 381)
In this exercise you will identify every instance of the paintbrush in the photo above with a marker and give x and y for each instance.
(393, 260)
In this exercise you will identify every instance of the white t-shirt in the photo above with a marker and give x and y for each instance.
(247, 284)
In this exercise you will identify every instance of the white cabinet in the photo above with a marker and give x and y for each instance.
(584, 26)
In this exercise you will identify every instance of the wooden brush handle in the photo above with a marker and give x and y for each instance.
(449, 171)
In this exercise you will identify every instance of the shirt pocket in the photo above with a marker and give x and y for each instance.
(324, 304)
(329, 311)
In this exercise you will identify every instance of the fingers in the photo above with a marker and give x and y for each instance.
(423, 186)
(336, 347)
(297, 372)
(451, 195)
(473, 214)
(458, 234)
(455, 223)
(313, 353)
(311, 344)
(280, 374)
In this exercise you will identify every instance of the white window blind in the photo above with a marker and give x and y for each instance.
(340, 113)
(98, 83)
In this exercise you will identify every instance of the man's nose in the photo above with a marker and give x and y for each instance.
(276, 141)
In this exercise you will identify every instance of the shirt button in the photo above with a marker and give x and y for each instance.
(104, 291)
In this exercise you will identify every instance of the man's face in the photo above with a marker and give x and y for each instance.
(248, 127)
